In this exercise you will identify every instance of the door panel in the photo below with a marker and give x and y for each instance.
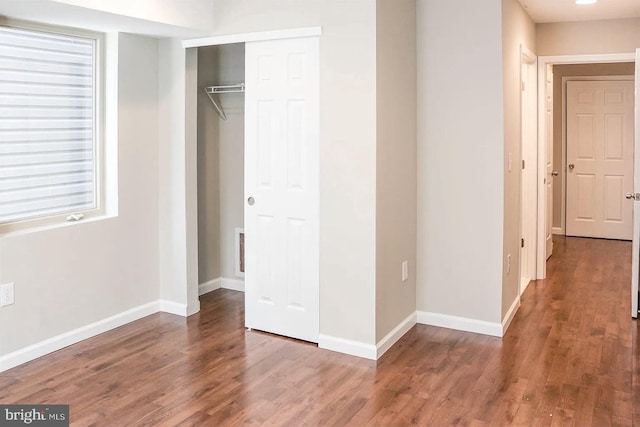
(548, 182)
(529, 113)
(585, 195)
(635, 251)
(614, 206)
(600, 134)
(282, 187)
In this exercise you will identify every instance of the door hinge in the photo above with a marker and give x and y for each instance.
(522, 86)
(522, 164)
(522, 243)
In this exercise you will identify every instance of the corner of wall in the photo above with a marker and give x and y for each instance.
(506, 321)
(396, 166)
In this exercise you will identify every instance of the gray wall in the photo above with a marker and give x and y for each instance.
(517, 29)
(208, 172)
(460, 158)
(72, 275)
(588, 37)
(220, 161)
(396, 194)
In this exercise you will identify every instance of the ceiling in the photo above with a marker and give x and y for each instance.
(66, 14)
(566, 10)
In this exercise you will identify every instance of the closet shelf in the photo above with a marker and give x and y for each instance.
(211, 90)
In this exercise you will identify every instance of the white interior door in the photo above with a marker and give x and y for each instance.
(549, 173)
(600, 150)
(544, 242)
(529, 149)
(635, 254)
(282, 187)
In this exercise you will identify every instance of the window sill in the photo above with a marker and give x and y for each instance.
(28, 229)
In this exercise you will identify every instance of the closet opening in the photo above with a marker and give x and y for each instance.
(258, 176)
(220, 125)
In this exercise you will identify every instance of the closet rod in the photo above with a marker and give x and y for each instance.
(210, 90)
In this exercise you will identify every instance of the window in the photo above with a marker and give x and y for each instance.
(49, 145)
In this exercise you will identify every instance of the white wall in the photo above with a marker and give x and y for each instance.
(70, 276)
(347, 147)
(460, 158)
(178, 221)
(517, 29)
(190, 120)
(396, 162)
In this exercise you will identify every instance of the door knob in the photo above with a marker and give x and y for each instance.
(554, 173)
(634, 196)
(571, 166)
(251, 201)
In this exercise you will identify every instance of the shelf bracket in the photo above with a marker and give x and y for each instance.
(213, 90)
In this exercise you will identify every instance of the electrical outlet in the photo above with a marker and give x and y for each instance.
(405, 270)
(7, 294)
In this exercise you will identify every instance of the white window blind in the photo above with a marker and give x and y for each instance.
(47, 124)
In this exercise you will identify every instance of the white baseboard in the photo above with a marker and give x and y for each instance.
(221, 283)
(367, 351)
(211, 285)
(66, 339)
(232, 284)
(524, 284)
(459, 323)
(353, 348)
(510, 315)
(173, 308)
(192, 309)
(392, 337)
(82, 333)
(557, 230)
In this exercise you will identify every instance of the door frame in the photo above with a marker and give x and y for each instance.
(253, 37)
(190, 129)
(543, 62)
(565, 79)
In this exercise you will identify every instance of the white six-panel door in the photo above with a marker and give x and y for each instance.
(549, 173)
(529, 114)
(635, 251)
(600, 142)
(282, 187)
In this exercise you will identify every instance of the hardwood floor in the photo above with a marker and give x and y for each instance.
(570, 357)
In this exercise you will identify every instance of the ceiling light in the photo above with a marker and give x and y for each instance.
(586, 1)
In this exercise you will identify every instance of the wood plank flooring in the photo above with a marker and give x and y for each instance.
(570, 357)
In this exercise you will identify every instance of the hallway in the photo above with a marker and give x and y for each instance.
(566, 360)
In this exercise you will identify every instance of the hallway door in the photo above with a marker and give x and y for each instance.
(282, 187)
(600, 149)
(635, 254)
(549, 173)
(528, 144)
